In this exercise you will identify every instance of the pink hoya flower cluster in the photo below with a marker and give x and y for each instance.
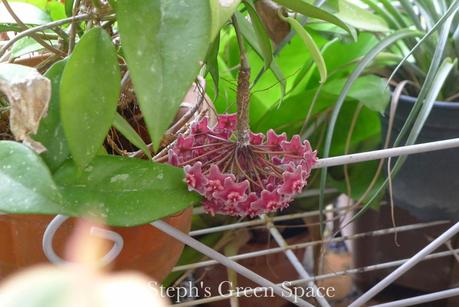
(242, 179)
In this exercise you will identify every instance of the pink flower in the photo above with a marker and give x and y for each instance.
(172, 158)
(200, 127)
(211, 206)
(232, 192)
(216, 179)
(245, 207)
(293, 182)
(183, 144)
(242, 179)
(294, 148)
(275, 140)
(256, 138)
(194, 178)
(269, 201)
(227, 122)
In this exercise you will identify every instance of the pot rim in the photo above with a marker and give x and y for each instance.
(441, 104)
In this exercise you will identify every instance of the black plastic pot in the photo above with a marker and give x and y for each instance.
(428, 183)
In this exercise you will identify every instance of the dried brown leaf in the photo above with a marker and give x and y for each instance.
(28, 93)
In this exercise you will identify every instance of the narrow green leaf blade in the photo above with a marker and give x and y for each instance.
(431, 96)
(164, 43)
(26, 185)
(311, 46)
(129, 133)
(90, 89)
(124, 191)
(221, 12)
(444, 19)
(249, 35)
(261, 34)
(212, 64)
(389, 40)
(69, 7)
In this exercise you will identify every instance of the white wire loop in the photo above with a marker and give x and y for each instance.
(53, 226)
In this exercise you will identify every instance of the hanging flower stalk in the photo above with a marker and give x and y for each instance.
(241, 173)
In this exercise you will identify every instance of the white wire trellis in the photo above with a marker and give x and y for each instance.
(306, 279)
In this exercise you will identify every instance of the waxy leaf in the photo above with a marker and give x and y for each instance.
(124, 191)
(165, 43)
(359, 18)
(222, 10)
(123, 126)
(262, 35)
(90, 89)
(212, 64)
(50, 132)
(69, 7)
(26, 185)
(311, 46)
(249, 34)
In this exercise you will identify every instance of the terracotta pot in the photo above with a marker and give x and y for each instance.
(146, 249)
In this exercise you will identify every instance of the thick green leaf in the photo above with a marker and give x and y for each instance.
(311, 46)
(212, 64)
(290, 115)
(41, 4)
(69, 7)
(27, 45)
(56, 10)
(313, 11)
(164, 56)
(50, 132)
(382, 12)
(367, 127)
(124, 191)
(360, 18)
(249, 34)
(369, 90)
(123, 126)
(261, 34)
(28, 13)
(89, 92)
(360, 177)
(306, 71)
(222, 10)
(5, 27)
(26, 185)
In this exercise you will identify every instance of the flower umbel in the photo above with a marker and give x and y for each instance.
(242, 179)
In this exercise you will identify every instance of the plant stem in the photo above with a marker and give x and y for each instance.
(50, 25)
(33, 35)
(72, 30)
(243, 90)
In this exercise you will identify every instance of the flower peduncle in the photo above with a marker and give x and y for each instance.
(243, 91)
